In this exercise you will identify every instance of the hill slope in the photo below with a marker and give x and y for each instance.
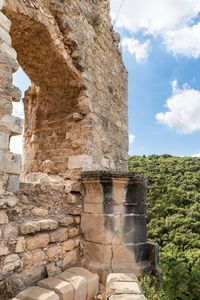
(174, 221)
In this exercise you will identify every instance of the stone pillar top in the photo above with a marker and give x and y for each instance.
(133, 177)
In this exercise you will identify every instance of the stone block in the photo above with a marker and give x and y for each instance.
(54, 251)
(35, 226)
(39, 211)
(8, 201)
(48, 224)
(59, 235)
(21, 245)
(52, 270)
(66, 221)
(62, 288)
(37, 293)
(3, 217)
(98, 253)
(127, 297)
(92, 281)
(11, 262)
(40, 240)
(12, 124)
(9, 162)
(4, 35)
(3, 249)
(125, 258)
(79, 284)
(13, 184)
(117, 288)
(1, 4)
(70, 259)
(5, 59)
(73, 231)
(94, 192)
(121, 277)
(34, 258)
(8, 50)
(4, 141)
(80, 162)
(4, 21)
(108, 231)
(5, 103)
(68, 245)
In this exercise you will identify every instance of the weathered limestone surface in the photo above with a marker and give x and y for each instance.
(39, 235)
(114, 223)
(76, 109)
(123, 286)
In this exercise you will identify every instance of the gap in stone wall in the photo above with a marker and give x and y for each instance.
(22, 81)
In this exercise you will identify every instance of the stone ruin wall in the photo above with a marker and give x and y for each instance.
(75, 120)
(76, 109)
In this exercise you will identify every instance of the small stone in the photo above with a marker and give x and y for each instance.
(10, 201)
(35, 226)
(34, 258)
(21, 244)
(69, 245)
(70, 259)
(77, 220)
(71, 199)
(73, 231)
(3, 249)
(77, 117)
(13, 184)
(54, 251)
(52, 270)
(39, 211)
(48, 224)
(11, 263)
(66, 221)
(59, 235)
(3, 217)
(40, 240)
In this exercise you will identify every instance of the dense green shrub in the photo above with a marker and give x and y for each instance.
(173, 222)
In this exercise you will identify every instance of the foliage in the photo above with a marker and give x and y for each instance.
(173, 222)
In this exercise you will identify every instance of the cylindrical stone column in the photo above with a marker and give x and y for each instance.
(114, 222)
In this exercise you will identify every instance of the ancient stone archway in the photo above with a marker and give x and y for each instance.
(76, 109)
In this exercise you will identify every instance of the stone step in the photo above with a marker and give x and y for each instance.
(123, 286)
(37, 293)
(73, 284)
(79, 283)
(92, 281)
(63, 289)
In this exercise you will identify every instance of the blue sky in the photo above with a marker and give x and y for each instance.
(161, 51)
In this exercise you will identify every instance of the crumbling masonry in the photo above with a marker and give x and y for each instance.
(72, 202)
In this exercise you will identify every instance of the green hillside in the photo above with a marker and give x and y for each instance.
(173, 222)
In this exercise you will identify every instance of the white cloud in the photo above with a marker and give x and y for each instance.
(16, 143)
(172, 19)
(140, 50)
(184, 109)
(131, 138)
(184, 41)
(196, 155)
